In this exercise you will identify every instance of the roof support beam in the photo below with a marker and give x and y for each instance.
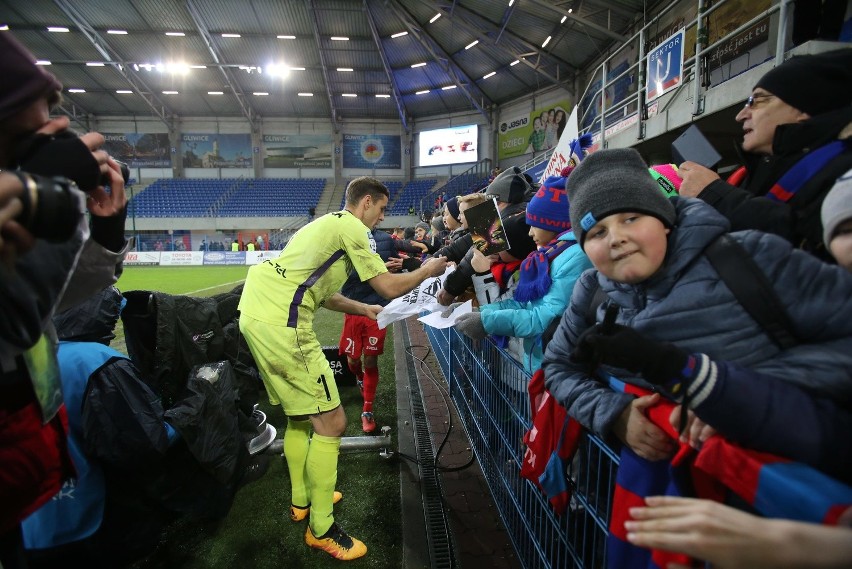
(247, 109)
(476, 30)
(441, 57)
(110, 54)
(397, 97)
(318, 40)
(580, 20)
(76, 113)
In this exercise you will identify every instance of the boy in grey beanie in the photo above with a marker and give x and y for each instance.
(614, 181)
(662, 298)
(837, 220)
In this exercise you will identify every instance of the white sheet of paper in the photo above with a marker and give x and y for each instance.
(423, 297)
(435, 320)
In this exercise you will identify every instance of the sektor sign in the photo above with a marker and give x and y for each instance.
(665, 66)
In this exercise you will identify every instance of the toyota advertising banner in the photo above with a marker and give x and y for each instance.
(368, 151)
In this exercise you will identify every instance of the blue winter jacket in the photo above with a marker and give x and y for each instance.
(529, 320)
(686, 303)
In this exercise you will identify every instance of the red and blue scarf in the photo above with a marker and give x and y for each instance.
(535, 277)
(802, 171)
(772, 485)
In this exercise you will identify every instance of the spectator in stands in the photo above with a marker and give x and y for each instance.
(361, 339)
(795, 145)
(648, 255)
(411, 210)
(450, 218)
(509, 188)
(438, 233)
(52, 259)
(462, 241)
(276, 319)
(260, 242)
(837, 221)
(547, 277)
(728, 538)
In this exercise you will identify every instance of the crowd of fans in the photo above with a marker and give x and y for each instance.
(607, 275)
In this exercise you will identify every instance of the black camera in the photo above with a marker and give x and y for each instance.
(125, 173)
(51, 211)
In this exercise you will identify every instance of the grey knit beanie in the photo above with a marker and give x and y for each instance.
(614, 181)
(510, 186)
(422, 225)
(837, 206)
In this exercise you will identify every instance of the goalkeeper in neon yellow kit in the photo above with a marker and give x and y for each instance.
(277, 310)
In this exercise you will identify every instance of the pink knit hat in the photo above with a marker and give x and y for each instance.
(667, 176)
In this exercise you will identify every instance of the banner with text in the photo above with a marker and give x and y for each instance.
(172, 258)
(139, 150)
(216, 150)
(380, 151)
(142, 258)
(225, 258)
(664, 69)
(297, 151)
(536, 132)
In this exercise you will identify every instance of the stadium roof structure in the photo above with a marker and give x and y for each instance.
(332, 59)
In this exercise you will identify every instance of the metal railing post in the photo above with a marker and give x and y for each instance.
(603, 104)
(781, 38)
(696, 66)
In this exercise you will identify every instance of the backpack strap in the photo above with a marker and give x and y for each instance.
(752, 289)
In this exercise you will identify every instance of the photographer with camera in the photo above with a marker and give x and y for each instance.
(52, 258)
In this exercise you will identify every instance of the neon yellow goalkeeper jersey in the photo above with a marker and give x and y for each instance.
(316, 262)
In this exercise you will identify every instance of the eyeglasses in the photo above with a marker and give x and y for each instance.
(756, 100)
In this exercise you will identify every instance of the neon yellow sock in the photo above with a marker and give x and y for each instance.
(296, 444)
(322, 473)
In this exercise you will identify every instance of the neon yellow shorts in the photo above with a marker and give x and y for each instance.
(293, 367)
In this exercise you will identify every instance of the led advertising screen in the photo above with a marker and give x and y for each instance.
(454, 145)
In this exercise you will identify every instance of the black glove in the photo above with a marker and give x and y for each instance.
(60, 154)
(659, 363)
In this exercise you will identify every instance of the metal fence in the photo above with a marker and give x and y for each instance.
(489, 389)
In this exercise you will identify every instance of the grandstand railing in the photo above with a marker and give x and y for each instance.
(461, 184)
(630, 105)
(489, 389)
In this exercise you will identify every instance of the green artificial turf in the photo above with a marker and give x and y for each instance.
(257, 532)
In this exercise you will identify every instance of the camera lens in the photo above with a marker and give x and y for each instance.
(54, 212)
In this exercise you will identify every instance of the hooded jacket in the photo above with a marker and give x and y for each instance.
(686, 303)
(529, 320)
(746, 205)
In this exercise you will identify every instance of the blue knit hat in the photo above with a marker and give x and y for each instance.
(548, 209)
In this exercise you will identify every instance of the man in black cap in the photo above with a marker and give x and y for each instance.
(797, 140)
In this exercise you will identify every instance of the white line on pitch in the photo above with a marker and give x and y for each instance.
(217, 286)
